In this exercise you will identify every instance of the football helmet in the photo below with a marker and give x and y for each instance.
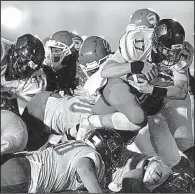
(144, 17)
(26, 56)
(108, 143)
(58, 48)
(93, 52)
(167, 42)
(177, 183)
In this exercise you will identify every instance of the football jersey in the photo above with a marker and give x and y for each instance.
(24, 89)
(64, 113)
(134, 45)
(55, 167)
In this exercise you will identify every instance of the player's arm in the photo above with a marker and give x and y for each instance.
(180, 74)
(180, 89)
(115, 66)
(86, 171)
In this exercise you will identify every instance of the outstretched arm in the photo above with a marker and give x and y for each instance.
(86, 171)
(116, 66)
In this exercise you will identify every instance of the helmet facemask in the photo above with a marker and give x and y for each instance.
(56, 53)
(22, 65)
(90, 68)
(167, 42)
(167, 56)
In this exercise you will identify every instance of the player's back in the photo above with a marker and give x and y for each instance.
(56, 169)
(64, 113)
(136, 44)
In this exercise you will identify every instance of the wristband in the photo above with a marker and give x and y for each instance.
(136, 67)
(159, 92)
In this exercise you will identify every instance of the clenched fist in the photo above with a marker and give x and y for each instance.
(150, 70)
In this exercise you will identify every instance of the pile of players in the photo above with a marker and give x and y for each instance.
(76, 116)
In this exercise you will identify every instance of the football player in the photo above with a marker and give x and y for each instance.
(19, 60)
(68, 166)
(129, 171)
(61, 55)
(132, 47)
(92, 54)
(14, 133)
(123, 103)
(49, 113)
(174, 80)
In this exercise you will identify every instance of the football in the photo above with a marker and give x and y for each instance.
(135, 78)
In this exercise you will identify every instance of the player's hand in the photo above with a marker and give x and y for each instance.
(40, 81)
(150, 70)
(142, 86)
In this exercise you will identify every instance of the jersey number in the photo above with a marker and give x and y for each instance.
(139, 44)
(63, 148)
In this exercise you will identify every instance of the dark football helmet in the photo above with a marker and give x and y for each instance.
(144, 17)
(108, 143)
(25, 56)
(93, 52)
(177, 183)
(167, 42)
(58, 48)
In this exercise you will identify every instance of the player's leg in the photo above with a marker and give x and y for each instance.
(162, 140)
(101, 106)
(129, 115)
(179, 119)
(118, 93)
(142, 143)
(117, 97)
